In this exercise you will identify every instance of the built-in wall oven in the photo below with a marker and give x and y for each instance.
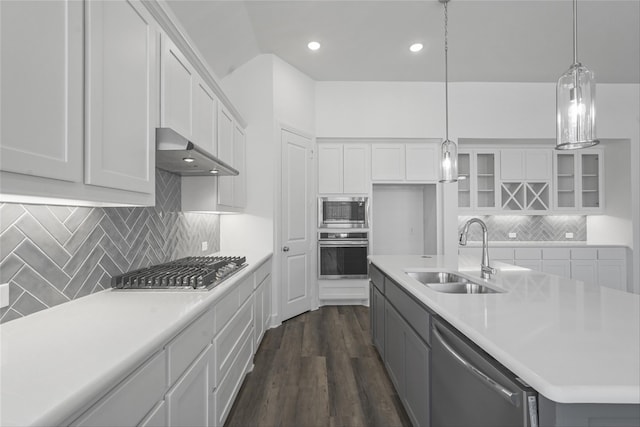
(342, 255)
(343, 212)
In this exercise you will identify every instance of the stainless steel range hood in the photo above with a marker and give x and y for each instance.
(173, 149)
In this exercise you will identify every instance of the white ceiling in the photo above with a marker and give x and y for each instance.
(490, 41)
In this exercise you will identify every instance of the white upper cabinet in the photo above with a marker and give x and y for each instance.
(526, 177)
(422, 162)
(387, 162)
(356, 168)
(239, 162)
(121, 95)
(330, 169)
(225, 153)
(478, 190)
(578, 181)
(415, 162)
(41, 84)
(79, 102)
(343, 168)
(178, 84)
(205, 117)
(521, 165)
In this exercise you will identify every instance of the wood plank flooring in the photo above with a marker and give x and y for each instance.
(319, 369)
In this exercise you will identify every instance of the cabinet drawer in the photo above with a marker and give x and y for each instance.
(229, 340)
(527, 253)
(612, 253)
(130, 401)
(262, 272)
(555, 253)
(245, 288)
(583, 253)
(227, 307)
(413, 312)
(501, 253)
(226, 391)
(376, 278)
(186, 346)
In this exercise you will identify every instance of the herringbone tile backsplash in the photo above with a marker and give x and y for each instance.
(542, 228)
(53, 254)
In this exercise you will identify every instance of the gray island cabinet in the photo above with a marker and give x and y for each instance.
(401, 320)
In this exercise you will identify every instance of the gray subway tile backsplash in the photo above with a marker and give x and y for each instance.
(542, 228)
(53, 254)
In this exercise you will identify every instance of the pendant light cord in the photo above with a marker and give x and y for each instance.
(575, 31)
(446, 70)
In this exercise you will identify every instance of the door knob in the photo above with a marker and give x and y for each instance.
(285, 249)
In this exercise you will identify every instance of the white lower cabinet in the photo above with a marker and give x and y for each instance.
(605, 266)
(195, 378)
(157, 417)
(262, 308)
(188, 400)
(557, 266)
(584, 270)
(129, 402)
(612, 274)
(229, 386)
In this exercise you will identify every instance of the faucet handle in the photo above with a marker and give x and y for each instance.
(487, 270)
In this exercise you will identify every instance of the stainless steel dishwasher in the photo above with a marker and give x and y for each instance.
(471, 389)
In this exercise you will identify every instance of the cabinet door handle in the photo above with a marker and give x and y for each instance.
(285, 249)
(502, 391)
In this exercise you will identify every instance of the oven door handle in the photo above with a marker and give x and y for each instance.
(329, 243)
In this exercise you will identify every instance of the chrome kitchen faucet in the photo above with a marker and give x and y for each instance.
(485, 269)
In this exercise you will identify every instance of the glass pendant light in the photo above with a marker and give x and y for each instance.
(575, 102)
(448, 149)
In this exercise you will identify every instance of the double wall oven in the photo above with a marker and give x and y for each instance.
(342, 254)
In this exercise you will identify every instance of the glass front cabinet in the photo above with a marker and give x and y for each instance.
(478, 180)
(578, 181)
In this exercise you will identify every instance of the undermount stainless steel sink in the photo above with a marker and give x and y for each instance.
(450, 283)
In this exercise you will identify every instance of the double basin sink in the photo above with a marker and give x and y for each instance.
(450, 283)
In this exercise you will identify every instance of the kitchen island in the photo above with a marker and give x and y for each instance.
(577, 345)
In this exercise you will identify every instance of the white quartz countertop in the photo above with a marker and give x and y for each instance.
(54, 362)
(538, 244)
(573, 343)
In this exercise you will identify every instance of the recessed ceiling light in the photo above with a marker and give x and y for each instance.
(213, 171)
(189, 159)
(313, 45)
(416, 47)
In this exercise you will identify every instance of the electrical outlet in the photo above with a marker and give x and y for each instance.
(568, 235)
(512, 235)
(4, 295)
(205, 246)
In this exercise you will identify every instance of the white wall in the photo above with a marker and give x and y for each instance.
(483, 110)
(294, 97)
(250, 88)
(268, 92)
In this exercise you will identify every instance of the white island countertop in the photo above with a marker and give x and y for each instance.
(573, 343)
(56, 361)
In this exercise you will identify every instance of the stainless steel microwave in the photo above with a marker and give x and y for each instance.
(343, 212)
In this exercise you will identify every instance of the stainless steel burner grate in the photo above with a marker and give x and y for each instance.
(184, 273)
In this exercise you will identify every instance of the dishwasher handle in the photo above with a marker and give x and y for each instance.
(510, 396)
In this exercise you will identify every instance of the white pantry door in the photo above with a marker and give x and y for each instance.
(296, 228)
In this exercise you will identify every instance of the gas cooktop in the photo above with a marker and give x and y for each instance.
(199, 273)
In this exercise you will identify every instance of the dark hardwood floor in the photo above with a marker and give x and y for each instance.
(319, 369)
